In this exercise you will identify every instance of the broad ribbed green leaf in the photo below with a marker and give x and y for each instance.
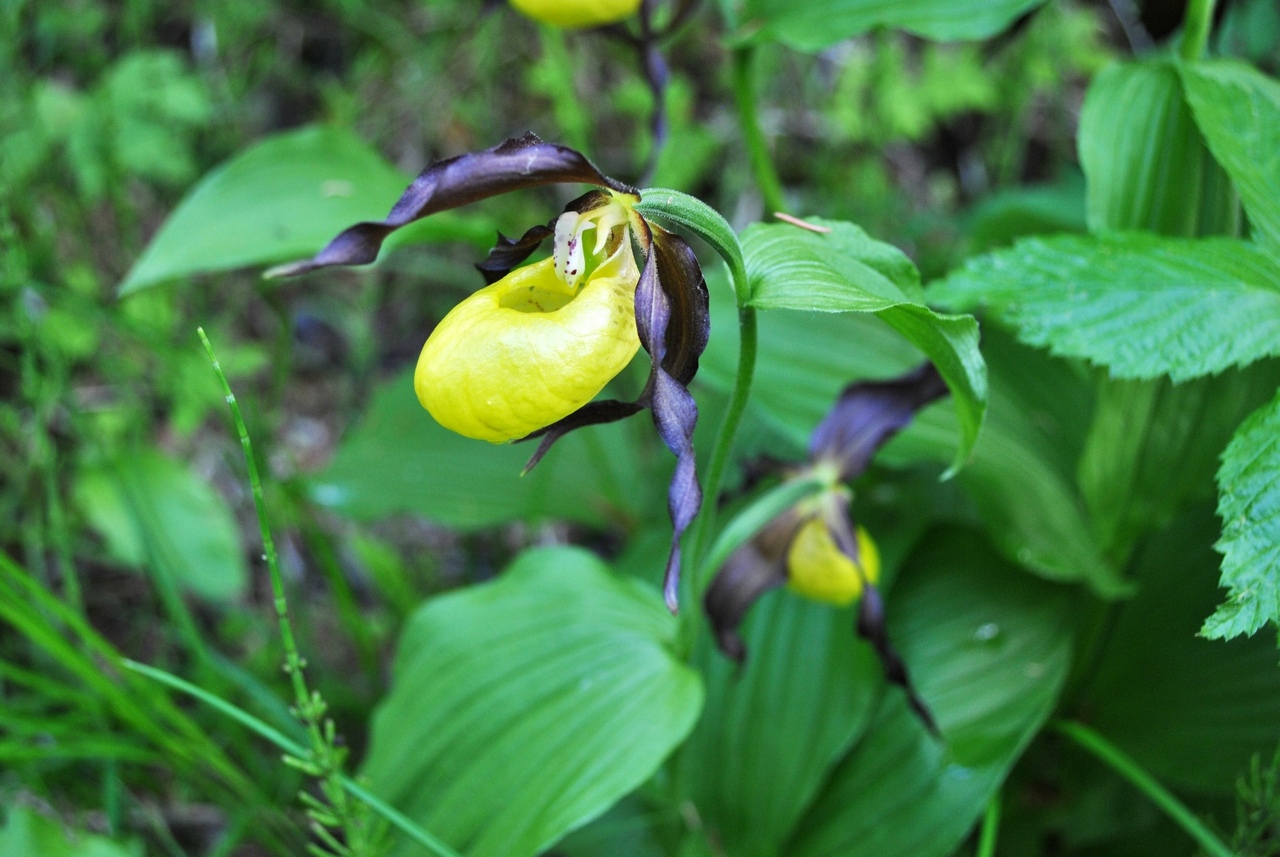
(772, 730)
(1145, 164)
(153, 511)
(1139, 304)
(1238, 110)
(525, 707)
(1249, 504)
(844, 270)
(817, 24)
(283, 199)
(1154, 445)
(988, 649)
(398, 460)
(1191, 711)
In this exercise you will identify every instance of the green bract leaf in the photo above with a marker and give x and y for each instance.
(1144, 160)
(841, 269)
(525, 707)
(772, 730)
(1189, 710)
(1249, 505)
(844, 270)
(1238, 110)
(400, 460)
(693, 214)
(1139, 304)
(752, 518)
(153, 511)
(817, 24)
(283, 198)
(988, 649)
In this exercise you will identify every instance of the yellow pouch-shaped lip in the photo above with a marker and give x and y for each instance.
(572, 14)
(526, 351)
(817, 569)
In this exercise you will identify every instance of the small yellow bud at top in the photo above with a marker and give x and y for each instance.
(817, 569)
(575, 14)
(530, 349)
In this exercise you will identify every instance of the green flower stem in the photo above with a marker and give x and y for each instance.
(725, 438)
(244, 718)
(990, 828)
(1195, 29)
(1113, 756)
(744, 96)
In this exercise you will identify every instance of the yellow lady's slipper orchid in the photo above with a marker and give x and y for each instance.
(575, 14)
(526, 356)
(530, 349)
(817, 569)
(813, 547)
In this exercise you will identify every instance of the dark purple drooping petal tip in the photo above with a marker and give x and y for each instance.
(868, 414)
(515, 164)
(752, 570)
(871, 627)
(590, 414)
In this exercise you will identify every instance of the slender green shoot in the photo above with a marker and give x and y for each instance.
(1122, 764)
(324, 760)
(990, 831)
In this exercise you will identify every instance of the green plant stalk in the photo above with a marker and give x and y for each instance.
(990, 828)
(1114, 757)
(744, 97)
(1195, 29)
(720, 452)
(244, 718)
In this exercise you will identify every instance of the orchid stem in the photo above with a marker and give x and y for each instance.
(1195, 29)
(744, 96)
(1118, 761)
(725, 438)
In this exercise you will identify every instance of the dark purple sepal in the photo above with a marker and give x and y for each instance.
(868, 414)
(590, 414)
(514, 164)
(675, 414)
(870, 623)
(508, 253)
(757, 567)
(689, 318)
(871, 627)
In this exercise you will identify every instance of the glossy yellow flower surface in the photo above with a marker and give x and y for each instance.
(817, 569)
(530, 349)
(573, 14)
